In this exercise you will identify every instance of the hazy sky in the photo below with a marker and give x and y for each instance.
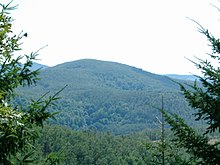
(154, 35)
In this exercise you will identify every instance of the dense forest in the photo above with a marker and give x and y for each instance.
(90, 147)
(107, 106)
(100, 113)
(108, 96)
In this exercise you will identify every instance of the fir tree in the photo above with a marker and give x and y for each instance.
(205, 99)
(18, 126)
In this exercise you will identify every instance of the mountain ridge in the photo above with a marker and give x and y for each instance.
(190, 77)
(108, 96)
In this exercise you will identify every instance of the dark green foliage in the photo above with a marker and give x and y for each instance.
(12, 72)
(194, 143)
(206, 100)
(88, 148)
(100, 96)
(18, 126)
(107, 96)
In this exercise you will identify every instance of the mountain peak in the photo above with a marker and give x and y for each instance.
(108, 96)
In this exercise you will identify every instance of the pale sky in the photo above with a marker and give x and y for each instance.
(154, 35)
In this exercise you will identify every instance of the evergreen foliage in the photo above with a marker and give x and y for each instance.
(106, 100)
(89, 147)
(206, 101)
(18, 126)
(197, 145)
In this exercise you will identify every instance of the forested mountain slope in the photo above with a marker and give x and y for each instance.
(108, 96)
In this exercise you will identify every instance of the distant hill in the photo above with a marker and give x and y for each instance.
(182, 77)
(36, 66)
(108, 96)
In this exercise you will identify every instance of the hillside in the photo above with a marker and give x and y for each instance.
(107, 96)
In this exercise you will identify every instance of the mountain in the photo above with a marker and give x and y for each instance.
(107, 96)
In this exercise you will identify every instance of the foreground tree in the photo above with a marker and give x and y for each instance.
(206, 100)
(18, 126)
(164, 151)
